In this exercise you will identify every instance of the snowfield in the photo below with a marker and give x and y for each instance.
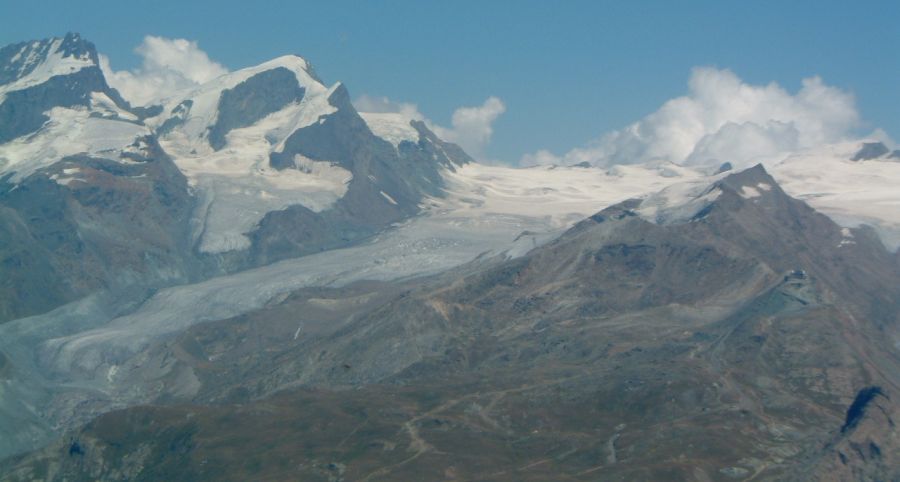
(851, 193)
(68, 132)
(392, 127)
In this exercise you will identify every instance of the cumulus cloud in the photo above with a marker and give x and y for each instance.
(383, 105)
(169, 65)
(471, 127)
(723, 119)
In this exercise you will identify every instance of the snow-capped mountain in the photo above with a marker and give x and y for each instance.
(258, 165)
(55, 102)
(273, 136)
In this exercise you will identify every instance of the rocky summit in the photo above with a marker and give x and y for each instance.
(254, 281)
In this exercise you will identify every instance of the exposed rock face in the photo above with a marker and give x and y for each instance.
(75, 224)
(88, 223)
(22, 111)
(735, 342)
(253, 99)
(870, 150)
(388, 183)
(866, 447)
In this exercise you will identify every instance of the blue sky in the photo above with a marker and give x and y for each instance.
(567, 72)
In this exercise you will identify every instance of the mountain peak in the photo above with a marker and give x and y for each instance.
(73, 45)
(30, 63)
(870, 150)
(692, 200)
(749, 182)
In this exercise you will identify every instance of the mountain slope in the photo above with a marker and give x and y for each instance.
(721, 334)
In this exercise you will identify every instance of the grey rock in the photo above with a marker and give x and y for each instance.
(253, 99)
(388, 183)
(123, 224)
(22, 111)
(869, 151)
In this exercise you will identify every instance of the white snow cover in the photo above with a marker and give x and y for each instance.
(393, 127)
(236, 185)
(851, 193)
(560, 196)
(389, 198)
(101, 103)
(679, 202)
(68, 132)
(54, 64)
(847, 237)
(749, 192)
(205, 98)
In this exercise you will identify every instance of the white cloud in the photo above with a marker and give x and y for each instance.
(542, 157)
(169, 65)
(382, 105)
(472, 127)
(724, 119)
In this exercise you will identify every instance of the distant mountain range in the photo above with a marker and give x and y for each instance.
(255, 281)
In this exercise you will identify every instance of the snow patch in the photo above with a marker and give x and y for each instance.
(100, 102)
(392, 127)
(389, 198)
(680, 202)
(748, 192)
(847, 237)
(111, 373)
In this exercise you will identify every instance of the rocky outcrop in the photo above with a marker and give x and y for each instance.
(86, 224)
(870, 150)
